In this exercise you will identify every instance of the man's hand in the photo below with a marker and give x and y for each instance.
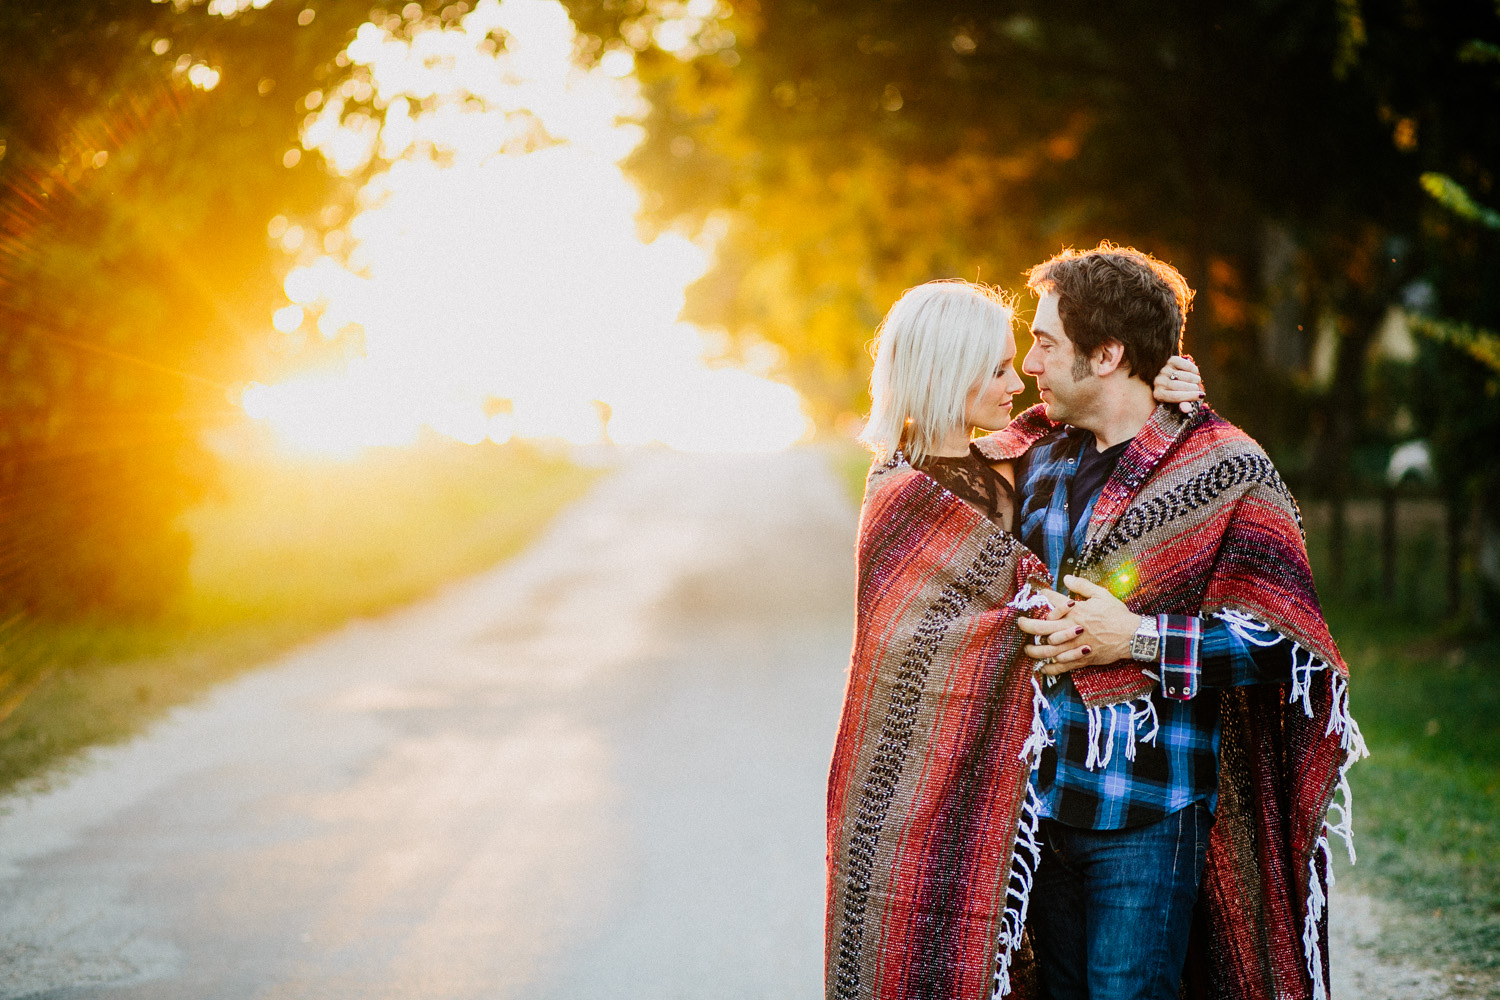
(1093, 628)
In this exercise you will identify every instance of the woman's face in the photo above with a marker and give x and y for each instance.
(989, 402)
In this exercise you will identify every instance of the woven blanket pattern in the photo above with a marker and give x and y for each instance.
(1196, 520)
(931, 765)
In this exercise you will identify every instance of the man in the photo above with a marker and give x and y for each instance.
(1192, 619)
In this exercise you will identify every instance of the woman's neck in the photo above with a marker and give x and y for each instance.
(954, 444)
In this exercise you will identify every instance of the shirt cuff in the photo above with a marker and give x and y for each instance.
(1181, 646)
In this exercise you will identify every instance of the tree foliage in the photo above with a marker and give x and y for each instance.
(143, 147)
(1273, 150)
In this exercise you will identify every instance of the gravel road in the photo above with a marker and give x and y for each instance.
(596, 770)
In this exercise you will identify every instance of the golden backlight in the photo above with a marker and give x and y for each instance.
(493, 262)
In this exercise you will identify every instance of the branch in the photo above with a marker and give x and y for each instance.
(1481, 344)
(1452, 196)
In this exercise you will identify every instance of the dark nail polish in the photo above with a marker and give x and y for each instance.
(1087, 651)
(1078, 630)
(1071, 603)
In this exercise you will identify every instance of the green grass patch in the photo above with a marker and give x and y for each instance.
(284, 550)
(1427, 801)
(851, 465)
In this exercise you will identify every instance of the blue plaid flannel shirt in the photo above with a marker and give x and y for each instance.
(1199, 656)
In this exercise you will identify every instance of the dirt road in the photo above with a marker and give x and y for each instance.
(595, 771)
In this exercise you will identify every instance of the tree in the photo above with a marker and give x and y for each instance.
(853, 149)
(143, 147)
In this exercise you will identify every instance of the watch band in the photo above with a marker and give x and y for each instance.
(1145, 645)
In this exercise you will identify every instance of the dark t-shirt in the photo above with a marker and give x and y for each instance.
(1094, 469)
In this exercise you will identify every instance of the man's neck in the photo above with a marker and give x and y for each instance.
(1121, 415)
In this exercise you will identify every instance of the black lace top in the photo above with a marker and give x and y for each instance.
(972, 479)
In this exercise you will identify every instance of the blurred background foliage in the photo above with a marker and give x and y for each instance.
(1322, 173)
(145, 146)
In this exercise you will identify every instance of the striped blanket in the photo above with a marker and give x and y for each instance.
(1195, 520)
(932, 759)
(931, 811)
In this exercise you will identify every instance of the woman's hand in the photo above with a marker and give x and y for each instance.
(1093, 628)
(1178, 382)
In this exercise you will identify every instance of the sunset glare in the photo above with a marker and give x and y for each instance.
(492, 261)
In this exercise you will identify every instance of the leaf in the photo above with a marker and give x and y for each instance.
(1481, 344)
(1479, 52)
(1452, 196)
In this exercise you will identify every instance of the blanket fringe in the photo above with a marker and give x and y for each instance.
(1024, 862)
(1101, 746)
(1038, 739)
(1102, 742)
(1339, 820)
(1146, 713)
(1304, 661)
(1028, 598)
(1316, 901)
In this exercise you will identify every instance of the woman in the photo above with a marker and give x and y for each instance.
(926, 789)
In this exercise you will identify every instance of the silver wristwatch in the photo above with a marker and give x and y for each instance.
(1145, 645)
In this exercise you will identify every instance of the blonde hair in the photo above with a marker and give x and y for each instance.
(939, 341)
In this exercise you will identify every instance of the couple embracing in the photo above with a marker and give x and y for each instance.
(1095, 725)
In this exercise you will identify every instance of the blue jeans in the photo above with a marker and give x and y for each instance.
(1111, 909)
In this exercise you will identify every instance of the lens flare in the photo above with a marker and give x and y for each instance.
(1122, 582)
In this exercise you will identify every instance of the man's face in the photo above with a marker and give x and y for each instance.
(1067, 381)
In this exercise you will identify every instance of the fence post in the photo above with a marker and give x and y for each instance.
(1454, 522)
(1388, 543)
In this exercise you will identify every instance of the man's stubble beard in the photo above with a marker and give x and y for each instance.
(1064, 410)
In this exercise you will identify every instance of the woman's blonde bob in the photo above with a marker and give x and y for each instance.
(936, 345)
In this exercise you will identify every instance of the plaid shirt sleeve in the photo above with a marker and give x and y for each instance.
(1199, 653)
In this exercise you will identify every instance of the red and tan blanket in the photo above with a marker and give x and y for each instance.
(931, 764)
(1195, 520)
(930, 834)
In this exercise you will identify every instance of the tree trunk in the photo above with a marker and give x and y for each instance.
(1338, 533)
(1454, 522)
(1388, 545)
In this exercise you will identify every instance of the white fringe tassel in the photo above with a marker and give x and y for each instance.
(1315, 903)
(1101, 747)
(1039, 739)
(1023, 868)
(1342, 723)
(1340, 818)
(1146, 713)
(1029, 599)
(1304, 662)
(1023, 865)
(1102, 742)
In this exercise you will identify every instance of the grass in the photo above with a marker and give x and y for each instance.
(285, 550)
(851, 464)
(1427, 801)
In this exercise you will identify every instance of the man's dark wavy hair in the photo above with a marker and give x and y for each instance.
(1117, 293)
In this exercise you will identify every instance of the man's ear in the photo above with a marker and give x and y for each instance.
(1110, 358)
